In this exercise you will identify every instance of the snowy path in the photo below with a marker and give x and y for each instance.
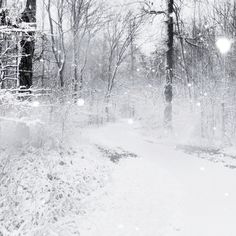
(162, 193)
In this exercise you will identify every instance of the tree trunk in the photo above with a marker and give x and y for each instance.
(61, 76)
(43, 47)
(75, 68)
(27, 46)
(132, 61)
(169, 67)
(75, 54)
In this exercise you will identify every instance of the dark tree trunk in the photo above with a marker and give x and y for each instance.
(27, 46)
(169, 66)
(3, 14)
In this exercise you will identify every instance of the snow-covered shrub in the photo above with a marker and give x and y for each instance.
(35, 121)
(47, 171)
(44, 191)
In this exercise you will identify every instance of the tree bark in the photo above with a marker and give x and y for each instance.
(27, 46)
(169, 66)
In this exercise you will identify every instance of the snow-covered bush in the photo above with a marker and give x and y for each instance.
(47, 171)
(44, 191)
(36, 121)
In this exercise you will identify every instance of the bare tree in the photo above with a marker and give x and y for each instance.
(120, 35)
(168, 92)
(27, 46)
(57, 33)
(169, 66)
(180, 35)
(85, 22)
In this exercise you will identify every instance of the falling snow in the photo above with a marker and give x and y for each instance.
(117, 118)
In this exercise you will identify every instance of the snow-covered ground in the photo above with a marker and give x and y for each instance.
(153, 189)
(43, 190)
(162, 192)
